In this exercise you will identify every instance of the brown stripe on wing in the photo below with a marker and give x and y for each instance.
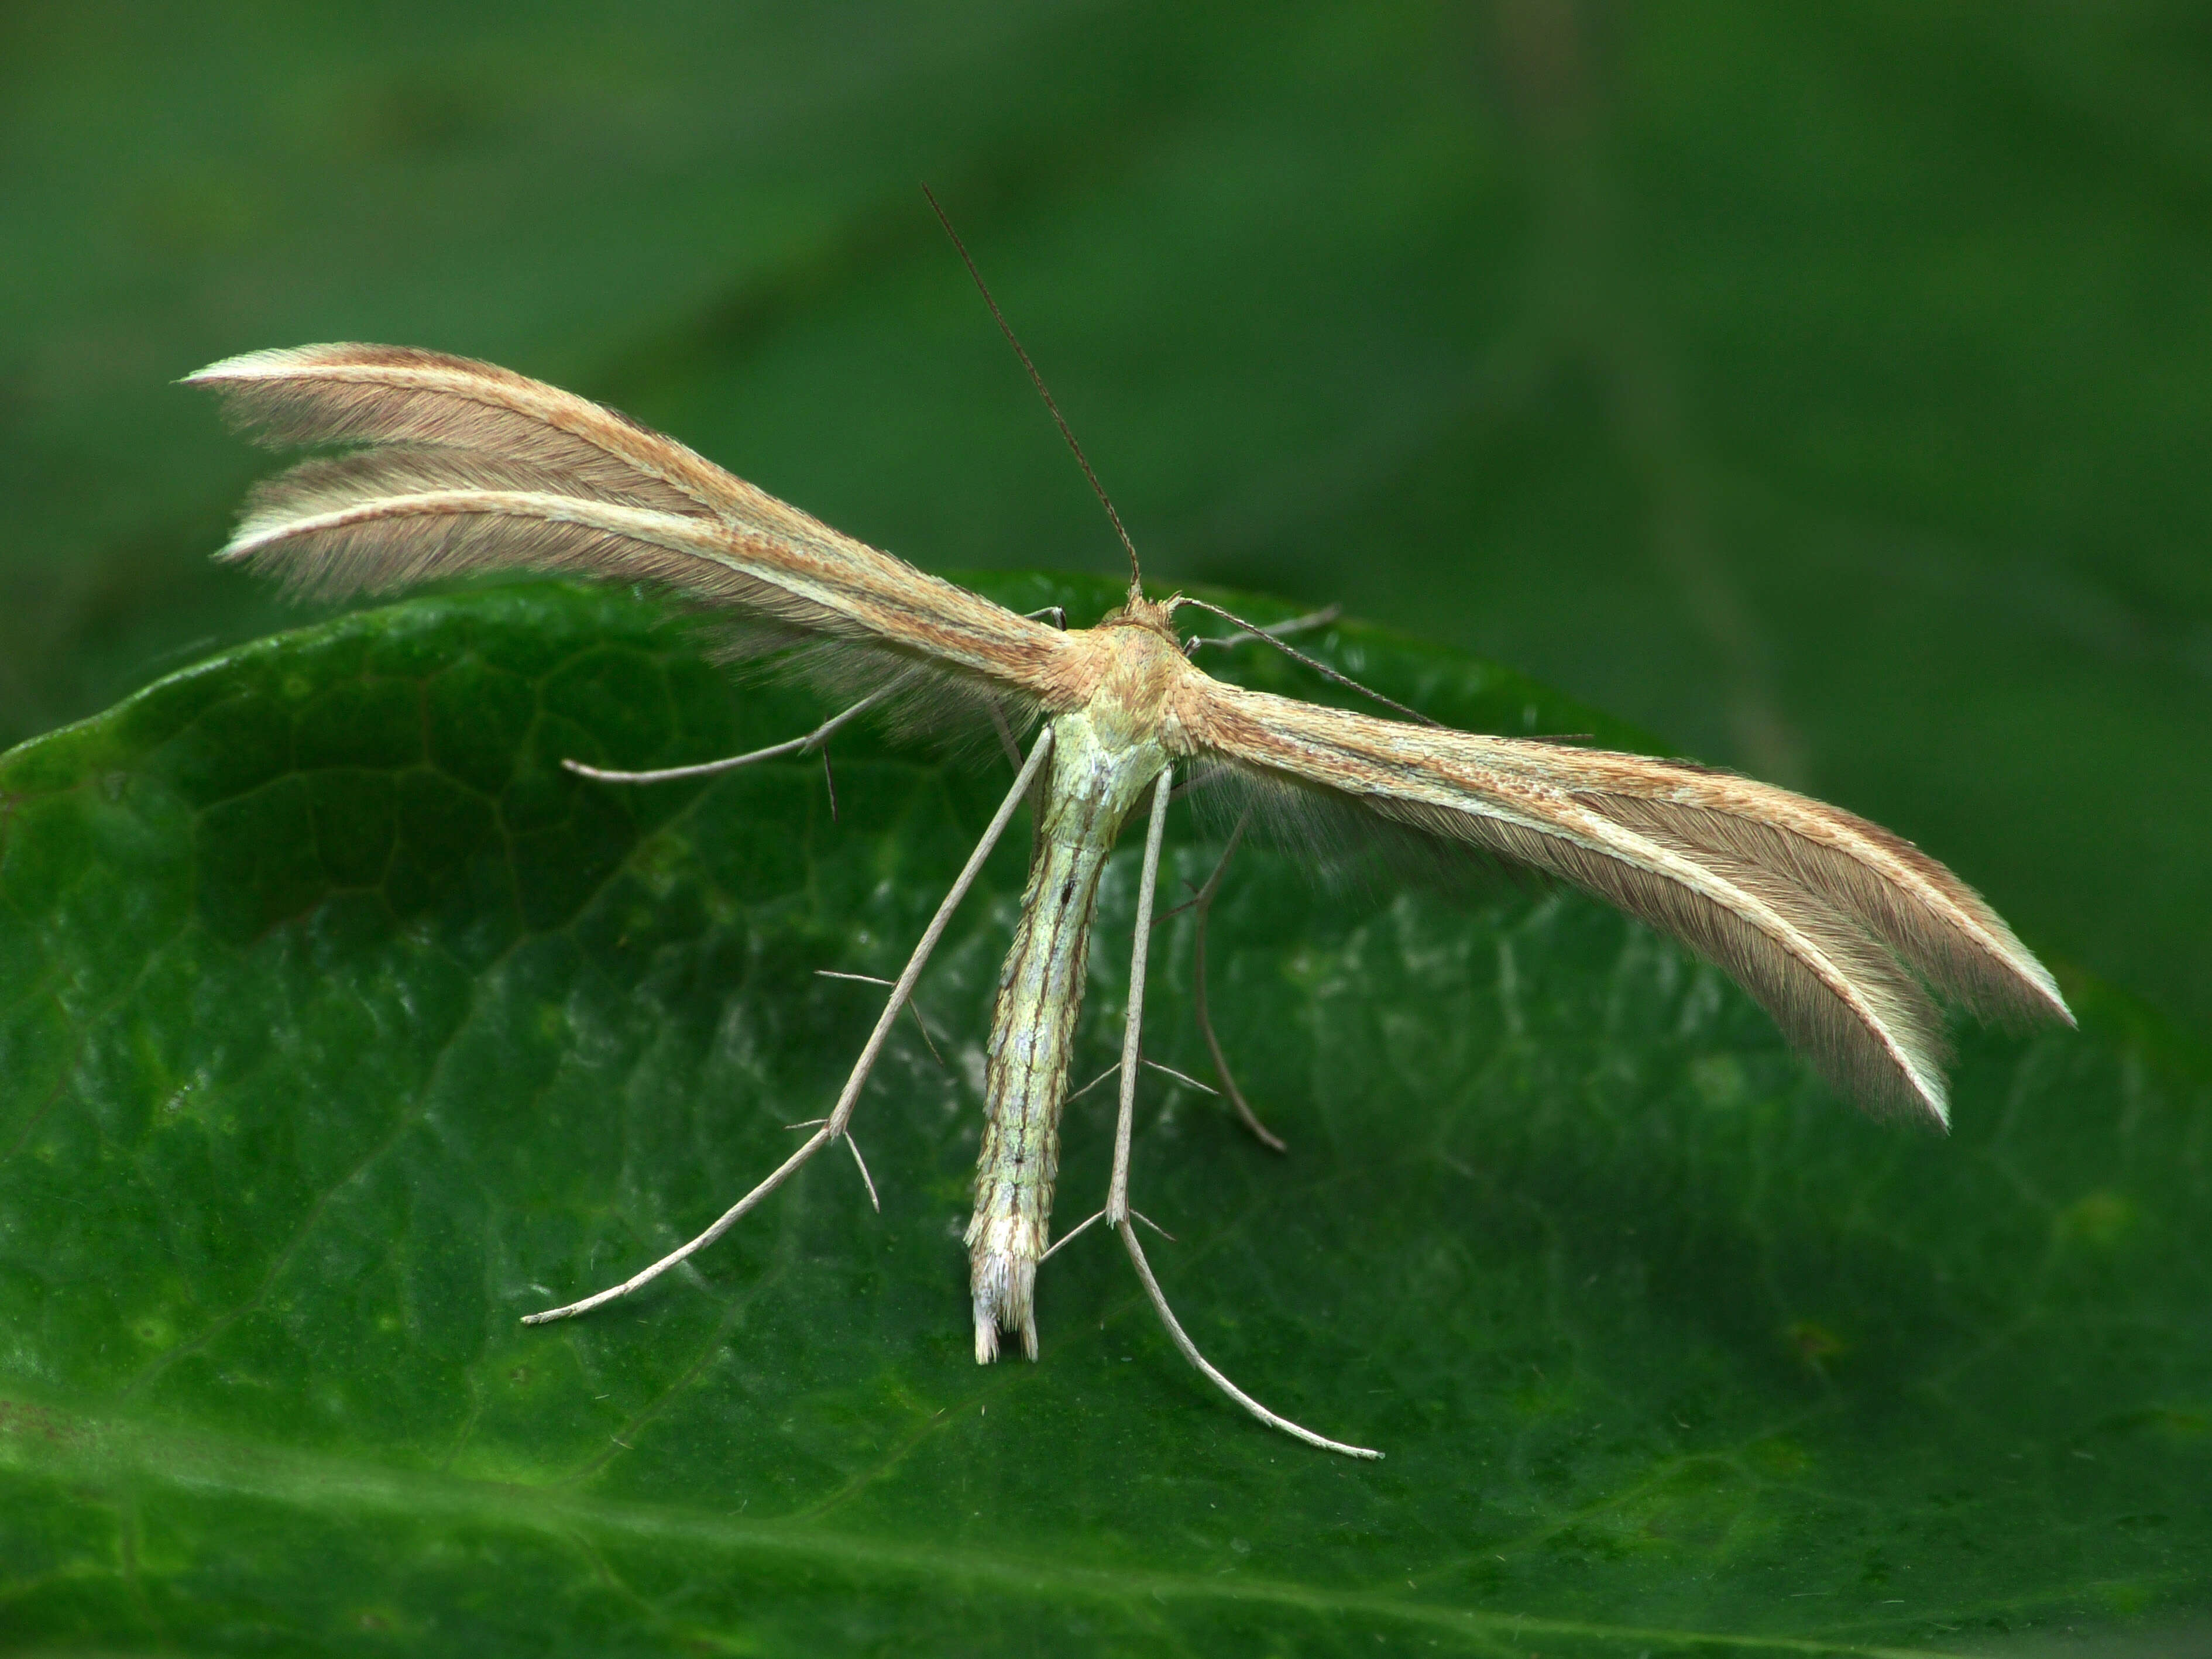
(472, 466)
(1818, 913)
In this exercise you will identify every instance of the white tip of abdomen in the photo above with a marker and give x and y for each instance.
(1005, 1289)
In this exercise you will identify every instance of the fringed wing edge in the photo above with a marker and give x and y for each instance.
(1831, 922)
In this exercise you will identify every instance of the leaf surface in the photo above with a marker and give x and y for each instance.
(339, 1028)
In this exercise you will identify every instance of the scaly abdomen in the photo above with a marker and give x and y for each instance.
(1095, 779)
(1024, 1083)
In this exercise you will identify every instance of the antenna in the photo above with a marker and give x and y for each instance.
(1036, 379)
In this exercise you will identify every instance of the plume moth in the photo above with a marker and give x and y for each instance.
(1838, 927)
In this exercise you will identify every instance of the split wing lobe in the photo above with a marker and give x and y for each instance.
(464, 467)
(1829, 921)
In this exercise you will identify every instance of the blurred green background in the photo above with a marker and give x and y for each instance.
(1820, 387)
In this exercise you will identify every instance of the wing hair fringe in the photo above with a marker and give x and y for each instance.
(1958, 941)
(348, 393)
(1829, 922)
(470, 467)
(1891, 1065)
(1880, 1041)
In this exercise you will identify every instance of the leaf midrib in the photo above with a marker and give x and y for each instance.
(123, 1450)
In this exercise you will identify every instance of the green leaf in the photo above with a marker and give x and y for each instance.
(1821, 385)
(339, 1027)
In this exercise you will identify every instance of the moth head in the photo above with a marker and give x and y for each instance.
(1141, 612)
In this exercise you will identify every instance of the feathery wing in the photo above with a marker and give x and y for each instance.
(466, 466)
(1825, 918)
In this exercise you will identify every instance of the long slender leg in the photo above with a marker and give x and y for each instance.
(841, 1113)
(1272, 1419)
(708, 768)
(1039, 751)
(1117, 1210)
(1204, 905)
(1320, 618)
(1273, 635)
(1132, 1028)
